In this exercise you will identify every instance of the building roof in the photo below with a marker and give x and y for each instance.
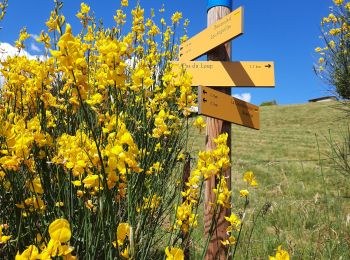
(323, 98)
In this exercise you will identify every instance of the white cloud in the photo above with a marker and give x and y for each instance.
(244, 96)
(34, 36)
(194, 109)
(33, 47)
(7, 50)
(2, 80)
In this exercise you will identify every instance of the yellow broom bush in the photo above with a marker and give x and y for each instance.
(92, 141)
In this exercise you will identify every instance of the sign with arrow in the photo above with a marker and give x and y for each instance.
(216, 104)
(230, 74)
(224, 30)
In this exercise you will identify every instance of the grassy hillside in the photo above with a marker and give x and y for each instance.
(307, 201)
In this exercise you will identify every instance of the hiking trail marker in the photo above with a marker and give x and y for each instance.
(221, 108)
(224, 30)
(216, 104)
(230, 74)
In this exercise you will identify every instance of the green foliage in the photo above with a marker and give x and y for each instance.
(269, 103)
(340, 152)
(334, 62)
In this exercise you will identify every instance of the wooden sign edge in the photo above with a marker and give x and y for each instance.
(199, 98)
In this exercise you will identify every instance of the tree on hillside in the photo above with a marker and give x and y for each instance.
(269, 103)
(333, 64)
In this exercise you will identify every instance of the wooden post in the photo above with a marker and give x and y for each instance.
(185, 177)
(216, 10)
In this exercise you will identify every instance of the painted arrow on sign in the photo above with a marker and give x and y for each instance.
(224, 30)
(230, 74)
(216, 104)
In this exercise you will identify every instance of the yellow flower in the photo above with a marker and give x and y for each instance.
(335, 31)
(35, 185)
(162, 10)
(90, 205)
(123, 231)
(244, 193)
(55, 248)
(120, 17)
(125, 253)
(321, 60)
(160, 125)
(280, 254)
(22, 37)
(223, 194)
(152, 203)
(185, 217)
(3, 239)
(92, 181)
(30, 253)
(95, 99)
(347, 6)
(38, 203)
(89, 36)
(176, 17)
(60, 230)
(44, 38)
(157, 148)
(124, 2)
(332, 17)
(181, 157)
(155, 168)
(199, 122)
(234, 222)
(230, 241)
(76, 183)
(80, 193)
(138, 25)
(55, 22)
(59, 204)
(174, 253)
(338, 2)
(84, 8)
(250, 178)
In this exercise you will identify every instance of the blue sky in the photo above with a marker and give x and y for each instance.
(285, 32)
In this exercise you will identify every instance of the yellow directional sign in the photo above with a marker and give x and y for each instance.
(216, 104)
(224, 30)
(230, 74)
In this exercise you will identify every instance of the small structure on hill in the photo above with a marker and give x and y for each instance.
(269, 103)
(324, 99)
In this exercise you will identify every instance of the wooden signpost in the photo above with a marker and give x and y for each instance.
(223, 30)
(230, 74)
(214, 128)
(218, 105)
